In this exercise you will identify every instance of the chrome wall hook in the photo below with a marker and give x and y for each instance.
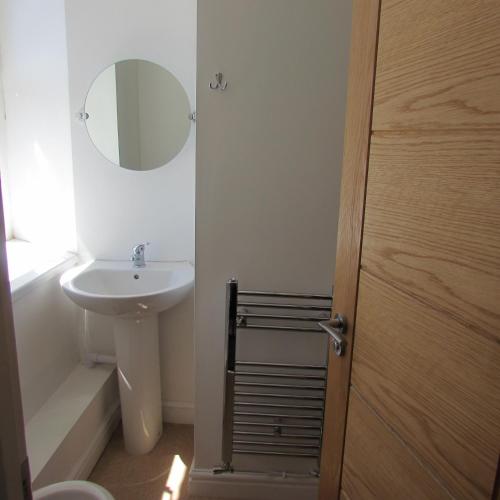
(218, 84)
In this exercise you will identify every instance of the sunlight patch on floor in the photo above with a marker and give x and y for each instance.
(175, 479)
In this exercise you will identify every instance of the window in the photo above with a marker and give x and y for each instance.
(35, 151)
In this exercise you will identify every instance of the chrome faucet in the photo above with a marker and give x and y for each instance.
(138, 259)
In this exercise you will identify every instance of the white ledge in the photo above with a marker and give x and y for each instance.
(58, 434)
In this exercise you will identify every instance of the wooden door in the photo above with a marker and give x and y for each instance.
(413, 408)
(14, 469)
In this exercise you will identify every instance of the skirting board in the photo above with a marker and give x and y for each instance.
(89, 458)
(178, 412)
(251, 486)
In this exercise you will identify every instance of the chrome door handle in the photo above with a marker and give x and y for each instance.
(336, 328)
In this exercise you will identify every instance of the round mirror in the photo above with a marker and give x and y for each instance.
(137, 114)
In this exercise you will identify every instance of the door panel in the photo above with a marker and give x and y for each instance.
(423, 419)
(426, 350)
(438, 65)
(433, 381)
(377, 464)
(432, 221)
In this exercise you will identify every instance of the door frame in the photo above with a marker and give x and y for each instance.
(363, 55)
(15, 481)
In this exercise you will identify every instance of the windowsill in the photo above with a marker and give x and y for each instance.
(30, 265)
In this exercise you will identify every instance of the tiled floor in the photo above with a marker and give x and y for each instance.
(160, 475)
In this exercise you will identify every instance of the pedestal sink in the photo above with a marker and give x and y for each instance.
(134, 296)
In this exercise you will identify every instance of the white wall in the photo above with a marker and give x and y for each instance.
(3, 160)
(269, 153)
(35, 77)
(46, 324)
(117, 208)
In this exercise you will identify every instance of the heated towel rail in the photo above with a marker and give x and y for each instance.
(274, 409)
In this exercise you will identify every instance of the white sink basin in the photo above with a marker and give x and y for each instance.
(116, 288)
(134, 296)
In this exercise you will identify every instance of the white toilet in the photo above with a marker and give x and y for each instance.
(73, 490)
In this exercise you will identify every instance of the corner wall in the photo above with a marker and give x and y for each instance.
(269, 154)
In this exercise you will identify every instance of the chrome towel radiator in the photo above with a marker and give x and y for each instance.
(274, 409)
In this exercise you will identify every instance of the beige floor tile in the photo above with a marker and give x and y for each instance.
(162, 474)
(148, 477)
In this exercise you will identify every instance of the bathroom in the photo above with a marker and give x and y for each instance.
(189, 189)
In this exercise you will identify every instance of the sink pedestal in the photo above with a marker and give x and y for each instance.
(134, 297)
(138, 363)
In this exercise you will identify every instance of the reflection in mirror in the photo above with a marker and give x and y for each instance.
(138, 114)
